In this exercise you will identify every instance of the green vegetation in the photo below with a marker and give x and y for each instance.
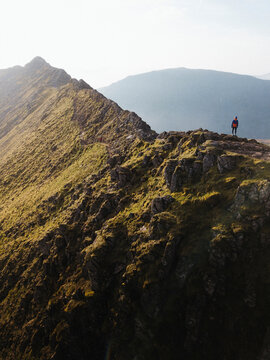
(115, 243)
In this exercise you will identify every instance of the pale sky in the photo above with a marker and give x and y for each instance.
(104, 41)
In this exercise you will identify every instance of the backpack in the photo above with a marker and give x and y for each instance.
(235, 123)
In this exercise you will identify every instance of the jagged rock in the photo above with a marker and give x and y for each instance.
(188, 170)
(211, 135)
(208, 161)
(169, 256)
(167, 147)
(161, 204)
(142, 129)
(157, 160)
(146, 161)
(162, 135)
(250, 194)
(178, 179)
(107, 208)
(115, 160)
(169, 170)
(146, 216)
(189, 279)
(84, 85)
(227, 162)
(175, 138)
(171, 136)
(121, 175)
(160, 224)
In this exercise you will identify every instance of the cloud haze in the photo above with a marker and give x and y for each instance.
(103, 41)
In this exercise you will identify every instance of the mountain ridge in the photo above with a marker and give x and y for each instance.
(120, 243)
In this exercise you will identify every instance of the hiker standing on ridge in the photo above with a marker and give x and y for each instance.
(234, 125)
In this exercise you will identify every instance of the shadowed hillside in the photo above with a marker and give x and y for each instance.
(118, 243)
(184, 99)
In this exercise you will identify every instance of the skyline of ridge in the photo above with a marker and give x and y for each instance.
(44, 60)
(110, 40)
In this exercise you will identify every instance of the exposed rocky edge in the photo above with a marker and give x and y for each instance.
(122, 176)
(118, 243)
(250, 195)
(142, 129)
(161, 204)
(164, 252)
(209, 153)
(38, 93)
(177, 173)
(36, 63)
(80, 84)
(57, 77)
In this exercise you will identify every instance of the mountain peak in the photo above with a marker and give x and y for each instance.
(43, 71)
(37, 62)
(112, 233)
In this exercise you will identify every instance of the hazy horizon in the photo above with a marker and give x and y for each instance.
(103, 42)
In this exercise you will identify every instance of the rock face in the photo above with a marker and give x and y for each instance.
(160, 204)
(209, 160)
(121, 175)
(250, 195)
(178, 173)
(118, 243)
(227, 162)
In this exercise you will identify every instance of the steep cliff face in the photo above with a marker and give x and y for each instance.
(117, 243)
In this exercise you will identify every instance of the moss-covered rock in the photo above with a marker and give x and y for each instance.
(118, 243)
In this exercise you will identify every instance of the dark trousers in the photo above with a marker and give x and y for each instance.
(234, 130)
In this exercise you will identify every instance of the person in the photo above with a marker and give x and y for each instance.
(234, 125)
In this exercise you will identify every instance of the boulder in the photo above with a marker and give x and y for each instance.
(121, 175)
(208, 161)
(187, 170)
(161, 223)
(160, 204)
(114, 160)
(227, 162)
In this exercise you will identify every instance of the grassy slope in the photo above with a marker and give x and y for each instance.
(49, 133)
(42, 159)
(201, 219)
(88, 270)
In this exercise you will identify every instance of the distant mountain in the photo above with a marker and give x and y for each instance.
(184, 99)
(264, 77)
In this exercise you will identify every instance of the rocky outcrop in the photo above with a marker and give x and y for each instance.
(251, 195)
(122, 176)
(160, 204)
(209, 160)
(97, 260)
(169, 170)
(178, 173)
(227, 162)
(115, 160)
